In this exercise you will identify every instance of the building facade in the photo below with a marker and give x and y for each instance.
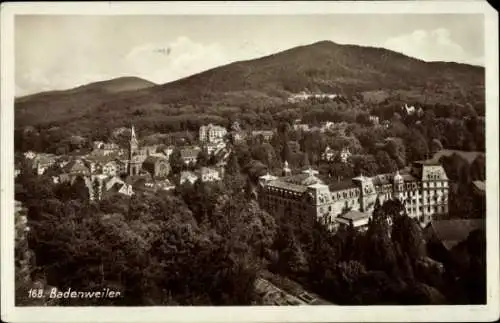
(212, 133)
(423, 190)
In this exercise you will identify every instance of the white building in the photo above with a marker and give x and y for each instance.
(212, 133)
(208, 174)
(423, 191)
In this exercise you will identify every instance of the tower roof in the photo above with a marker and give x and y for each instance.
(133, 137)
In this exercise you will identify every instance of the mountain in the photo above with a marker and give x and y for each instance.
(324, 66)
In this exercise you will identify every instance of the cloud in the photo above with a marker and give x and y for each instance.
(169, 61)
(434, 45)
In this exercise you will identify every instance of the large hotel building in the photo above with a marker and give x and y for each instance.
(422, 188)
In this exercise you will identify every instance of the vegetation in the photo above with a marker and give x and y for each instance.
(204, 244)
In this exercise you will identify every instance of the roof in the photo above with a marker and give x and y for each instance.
(302, 179)
(263, 132)
(467, 155)
(208, 170)
(428, 162)
(288, 186)
(382, 179)
(188, 174)
(75, 166)
(342, 185)
(479, 185)
(452, 232)
(190, 152)
(354, 215)
(154, 159)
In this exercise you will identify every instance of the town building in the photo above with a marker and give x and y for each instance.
(189, 155)
(355, 219)
(157, 166)
(42, 162)
(188, 176)
(423, 190)
(212, 133)
(214, 148)
(374, 120)
(301, 127)
(266, 134)
(345, 154)
(328, 154)
(207, 174)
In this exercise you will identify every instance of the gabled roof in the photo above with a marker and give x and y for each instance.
(479, 185)
(191, 152)
(288, 186)
(452, 232)
(342, 185)
(354, 215)
(154, 159)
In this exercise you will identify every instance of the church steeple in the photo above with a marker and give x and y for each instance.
(133, 150)
(133, 138)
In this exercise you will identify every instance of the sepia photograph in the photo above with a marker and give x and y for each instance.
(237, 156)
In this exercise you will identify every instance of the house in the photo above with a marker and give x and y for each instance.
(328, 154)
(119, 188)
(168, 151)
(374, 120)
(43, 161)
(29, 155)
(77, 167)
(98, 144)
(208, 174)
(408, 109)
(116, 185)
(212, 133)
(157, 166)
(345, 154)
(356, 219)
(301, 127)
(214, 148)
(189, 155)
(165, 185)
(111, 168)
(327, 125)
(266, 134)
(187, 176)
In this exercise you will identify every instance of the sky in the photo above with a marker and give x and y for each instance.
(62, 52)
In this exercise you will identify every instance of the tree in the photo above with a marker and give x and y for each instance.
(80, 191)
(408, 234)
(203, 158)
(286, 153)
(366, 165)
(176, 162)
(385, 162)
(305, 160)
(478, 168)
(436, 146)
(96, 189)
(233, 166)
(416, 146)
(396, 149)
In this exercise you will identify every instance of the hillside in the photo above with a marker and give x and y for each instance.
(265, 82)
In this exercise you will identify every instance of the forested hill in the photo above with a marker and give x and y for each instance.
(263, 83)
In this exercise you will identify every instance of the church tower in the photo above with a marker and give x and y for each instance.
(133, 164)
